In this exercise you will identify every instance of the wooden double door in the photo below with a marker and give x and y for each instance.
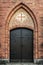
(21, 45)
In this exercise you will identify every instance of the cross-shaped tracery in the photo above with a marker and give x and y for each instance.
(21, 16)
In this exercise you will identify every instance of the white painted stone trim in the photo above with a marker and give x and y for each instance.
(7, 60)
(37, 60)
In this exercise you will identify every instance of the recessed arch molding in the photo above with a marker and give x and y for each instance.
(35, 35)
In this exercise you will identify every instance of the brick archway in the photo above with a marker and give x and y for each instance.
(7, 29)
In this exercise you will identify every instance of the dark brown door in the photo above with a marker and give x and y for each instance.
(21, 45)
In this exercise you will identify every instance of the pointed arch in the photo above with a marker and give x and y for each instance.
(27, 9)
(30, 12)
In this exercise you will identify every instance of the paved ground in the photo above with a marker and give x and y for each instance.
(21, 64)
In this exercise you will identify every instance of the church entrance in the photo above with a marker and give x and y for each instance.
(21, 45)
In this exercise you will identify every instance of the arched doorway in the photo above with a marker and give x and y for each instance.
(21, 16)
(21, 45)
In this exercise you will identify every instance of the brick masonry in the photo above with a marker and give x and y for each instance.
(7, 9)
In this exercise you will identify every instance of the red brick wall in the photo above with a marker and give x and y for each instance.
(6, 9)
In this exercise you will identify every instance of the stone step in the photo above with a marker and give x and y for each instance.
(21, 64)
